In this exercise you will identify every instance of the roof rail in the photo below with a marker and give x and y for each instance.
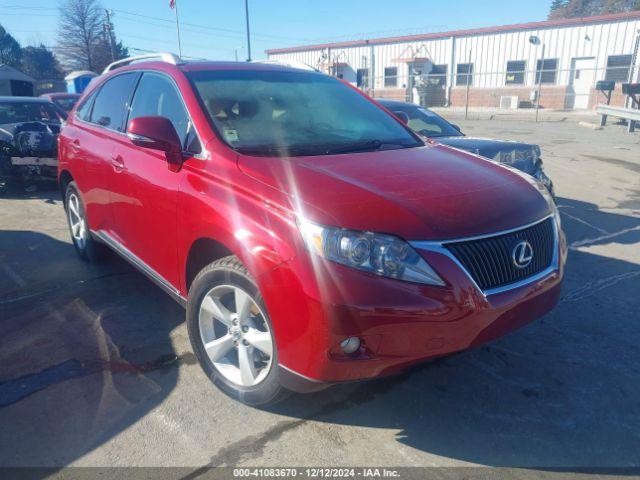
(287, 63)
(162, 57)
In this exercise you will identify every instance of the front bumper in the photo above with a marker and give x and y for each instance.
(398, 323)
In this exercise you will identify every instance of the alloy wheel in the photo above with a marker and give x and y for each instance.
(76, 220)
(236, 335)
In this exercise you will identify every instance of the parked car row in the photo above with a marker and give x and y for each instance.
(520, 155)
(312, 236)
(29, 129)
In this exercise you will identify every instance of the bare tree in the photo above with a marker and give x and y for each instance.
(80, 30)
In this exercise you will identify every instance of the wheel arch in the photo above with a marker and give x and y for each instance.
(64, 179)
(259, 255)
(202, 252)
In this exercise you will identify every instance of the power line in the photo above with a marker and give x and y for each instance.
(208, 27)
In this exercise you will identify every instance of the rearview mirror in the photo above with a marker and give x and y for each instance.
(403, 117)
(157, 133)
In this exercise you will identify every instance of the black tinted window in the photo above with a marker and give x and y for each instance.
(156, 96)
(111, 103)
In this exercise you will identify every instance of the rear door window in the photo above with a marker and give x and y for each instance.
(112, 102)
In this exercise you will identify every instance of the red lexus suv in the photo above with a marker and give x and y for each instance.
(312, 237)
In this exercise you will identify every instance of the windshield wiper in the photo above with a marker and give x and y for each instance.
(369, 145)
(319, 149)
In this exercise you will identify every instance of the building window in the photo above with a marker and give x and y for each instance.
(464, 74)
(391, 77)
(362, 77)
(515, 72)
(337, 71)
(546, 73)
(618, 68)
(438, 75)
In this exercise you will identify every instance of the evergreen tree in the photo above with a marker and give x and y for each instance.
(10, 50)
(40, 63)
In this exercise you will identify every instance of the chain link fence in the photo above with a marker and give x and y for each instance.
(578, 89)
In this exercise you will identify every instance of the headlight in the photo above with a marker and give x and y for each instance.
(383, 255)
(556, 214)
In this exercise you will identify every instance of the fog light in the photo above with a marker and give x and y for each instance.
(350, 345)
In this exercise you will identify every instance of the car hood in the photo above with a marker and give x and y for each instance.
(522, 156)
(425, 193)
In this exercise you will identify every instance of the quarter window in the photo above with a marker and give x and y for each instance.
(84, 111)
(112, 101)
(157, 96)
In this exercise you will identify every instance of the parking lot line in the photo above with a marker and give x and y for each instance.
(588, 241)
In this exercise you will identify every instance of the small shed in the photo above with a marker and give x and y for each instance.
(14, 83)
(77, 81)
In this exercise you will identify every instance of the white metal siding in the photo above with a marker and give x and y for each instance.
(489, 52)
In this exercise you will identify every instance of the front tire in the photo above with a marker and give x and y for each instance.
(231, 333)
(86, 247)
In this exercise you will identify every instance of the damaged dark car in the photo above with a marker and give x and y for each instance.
(29, 129)
(523, 156)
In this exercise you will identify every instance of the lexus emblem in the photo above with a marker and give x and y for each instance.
(522, 254)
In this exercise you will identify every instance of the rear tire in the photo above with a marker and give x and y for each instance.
(226, 312)
(87, 248)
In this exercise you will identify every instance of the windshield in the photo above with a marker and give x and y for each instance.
(284, 113)
(18, 112)
(425, 122)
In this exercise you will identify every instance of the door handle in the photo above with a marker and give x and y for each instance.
(75, 145)
(117, 162)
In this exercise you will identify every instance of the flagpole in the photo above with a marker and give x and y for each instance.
(246, 11)
(175, 8)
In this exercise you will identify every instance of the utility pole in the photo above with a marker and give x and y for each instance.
(246, 11)
(108, 27)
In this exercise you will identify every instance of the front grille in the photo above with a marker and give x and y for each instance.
(489, 259)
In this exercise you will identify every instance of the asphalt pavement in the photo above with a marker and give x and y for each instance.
(96, 367)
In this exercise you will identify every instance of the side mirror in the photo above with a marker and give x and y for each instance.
(157, 133)
(403, 117)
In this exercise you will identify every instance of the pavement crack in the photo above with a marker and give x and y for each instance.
(608, 236)
(591, 288)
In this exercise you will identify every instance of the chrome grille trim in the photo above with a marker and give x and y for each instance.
(439, 247)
